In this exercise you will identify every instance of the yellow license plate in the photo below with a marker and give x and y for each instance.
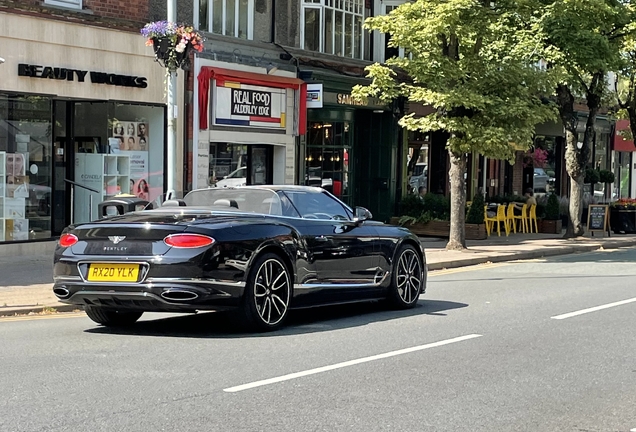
(113, 272)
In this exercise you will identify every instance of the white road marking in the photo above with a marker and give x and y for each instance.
(347, 363)
(593, 309)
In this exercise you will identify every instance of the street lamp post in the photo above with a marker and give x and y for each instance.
(171, 91)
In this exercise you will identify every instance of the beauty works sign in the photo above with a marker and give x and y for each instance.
(238, 104)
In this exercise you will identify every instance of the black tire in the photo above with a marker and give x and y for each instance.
(407, 277)
(267, 293)
(110, 317)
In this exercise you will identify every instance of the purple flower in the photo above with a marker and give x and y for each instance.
(159, 29)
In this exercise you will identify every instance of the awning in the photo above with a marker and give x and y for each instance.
(619, 143)
(221, 75)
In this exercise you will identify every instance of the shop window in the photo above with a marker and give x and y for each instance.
(71, 4)
(227, 17)
(333, 27)
(117, 148)
(382, 50)
(25, 177)
(622, 189)
(327, 160)
(540, 163)
(228, 164)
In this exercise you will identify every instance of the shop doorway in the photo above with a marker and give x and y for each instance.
(234, 165)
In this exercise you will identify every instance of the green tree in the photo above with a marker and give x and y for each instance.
(473, 61)
(582, 41)
(625, 77)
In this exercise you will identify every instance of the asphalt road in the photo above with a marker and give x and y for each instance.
(512, 347)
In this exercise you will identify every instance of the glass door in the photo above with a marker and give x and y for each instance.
(259, 165)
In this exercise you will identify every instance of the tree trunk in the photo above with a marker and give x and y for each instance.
(576, 159)
(457, 238)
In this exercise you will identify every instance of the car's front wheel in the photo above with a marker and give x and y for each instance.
(267, 293)
(407, 278)
(110, 317)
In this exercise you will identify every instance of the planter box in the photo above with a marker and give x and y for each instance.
(442, 229)
(623, 220)
(550, 226)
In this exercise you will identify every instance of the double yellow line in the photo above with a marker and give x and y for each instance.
(56, 315)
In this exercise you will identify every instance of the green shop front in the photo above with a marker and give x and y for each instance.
(351, 147)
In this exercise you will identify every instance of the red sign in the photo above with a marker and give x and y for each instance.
(619, 142)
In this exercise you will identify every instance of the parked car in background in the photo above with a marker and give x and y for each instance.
(419, 177)
(541, 179)
(238, 177)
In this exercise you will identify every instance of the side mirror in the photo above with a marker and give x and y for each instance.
(362, 214)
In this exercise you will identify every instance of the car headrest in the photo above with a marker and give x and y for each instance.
(174, 203)
(226, 202)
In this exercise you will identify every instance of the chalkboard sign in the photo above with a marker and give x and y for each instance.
(598, 218)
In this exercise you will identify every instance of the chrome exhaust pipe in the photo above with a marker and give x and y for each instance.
(61, 292)
(179, 295)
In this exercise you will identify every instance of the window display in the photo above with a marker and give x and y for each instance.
(25, 193)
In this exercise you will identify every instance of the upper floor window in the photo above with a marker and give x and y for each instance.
(227, 17)
(333, 27)
(73, 4)
(382, 51)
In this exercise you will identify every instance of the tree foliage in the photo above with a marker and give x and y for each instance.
(582, 44)
(475, 63)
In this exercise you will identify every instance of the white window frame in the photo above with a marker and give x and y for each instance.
(379, 39)
(327, 4)
(250, 18)
(70, 4)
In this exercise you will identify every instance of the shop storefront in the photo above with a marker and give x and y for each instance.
(247, 122)
(79, 122)
(623, 152)
(351, 147)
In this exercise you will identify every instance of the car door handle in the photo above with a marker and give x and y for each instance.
(321, 238)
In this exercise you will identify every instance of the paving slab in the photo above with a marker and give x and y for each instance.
(26, 281)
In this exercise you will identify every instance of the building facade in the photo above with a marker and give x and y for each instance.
(82, 113)
(272, 100)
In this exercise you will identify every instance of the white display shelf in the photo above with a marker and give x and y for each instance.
(108, 174)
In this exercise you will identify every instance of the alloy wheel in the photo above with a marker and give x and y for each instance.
(271, 291)
(409, 276)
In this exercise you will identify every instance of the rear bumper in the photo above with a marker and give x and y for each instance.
(154, 295)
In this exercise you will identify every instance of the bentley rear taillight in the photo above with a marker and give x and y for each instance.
(68, 240)
(188, 240)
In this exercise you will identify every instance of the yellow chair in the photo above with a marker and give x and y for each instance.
(498, 219)
(522, 218)
(510, 217)
(533, 218)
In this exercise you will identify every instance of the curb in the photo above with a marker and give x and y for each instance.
(37, 310)
(565, 250)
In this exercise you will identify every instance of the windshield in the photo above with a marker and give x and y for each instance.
(248, 200)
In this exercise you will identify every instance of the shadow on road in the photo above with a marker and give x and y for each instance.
(228, 325)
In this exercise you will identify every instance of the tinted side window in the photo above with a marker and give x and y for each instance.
(317, 206)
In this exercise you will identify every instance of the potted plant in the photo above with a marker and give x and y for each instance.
(551, 223)
(475, 227)
(172, 43)
(623, 216)
(430, 216)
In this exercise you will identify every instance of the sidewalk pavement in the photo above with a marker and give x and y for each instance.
(26, 281)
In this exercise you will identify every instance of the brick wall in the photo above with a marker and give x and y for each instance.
(121, 14)
(517, 174)
(124, 9)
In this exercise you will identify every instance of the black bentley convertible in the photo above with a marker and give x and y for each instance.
(261, 249)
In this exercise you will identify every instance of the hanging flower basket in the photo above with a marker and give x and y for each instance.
(172, 43)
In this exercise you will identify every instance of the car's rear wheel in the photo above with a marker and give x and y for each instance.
(407, 278)
(110, 317)
(267, 293)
